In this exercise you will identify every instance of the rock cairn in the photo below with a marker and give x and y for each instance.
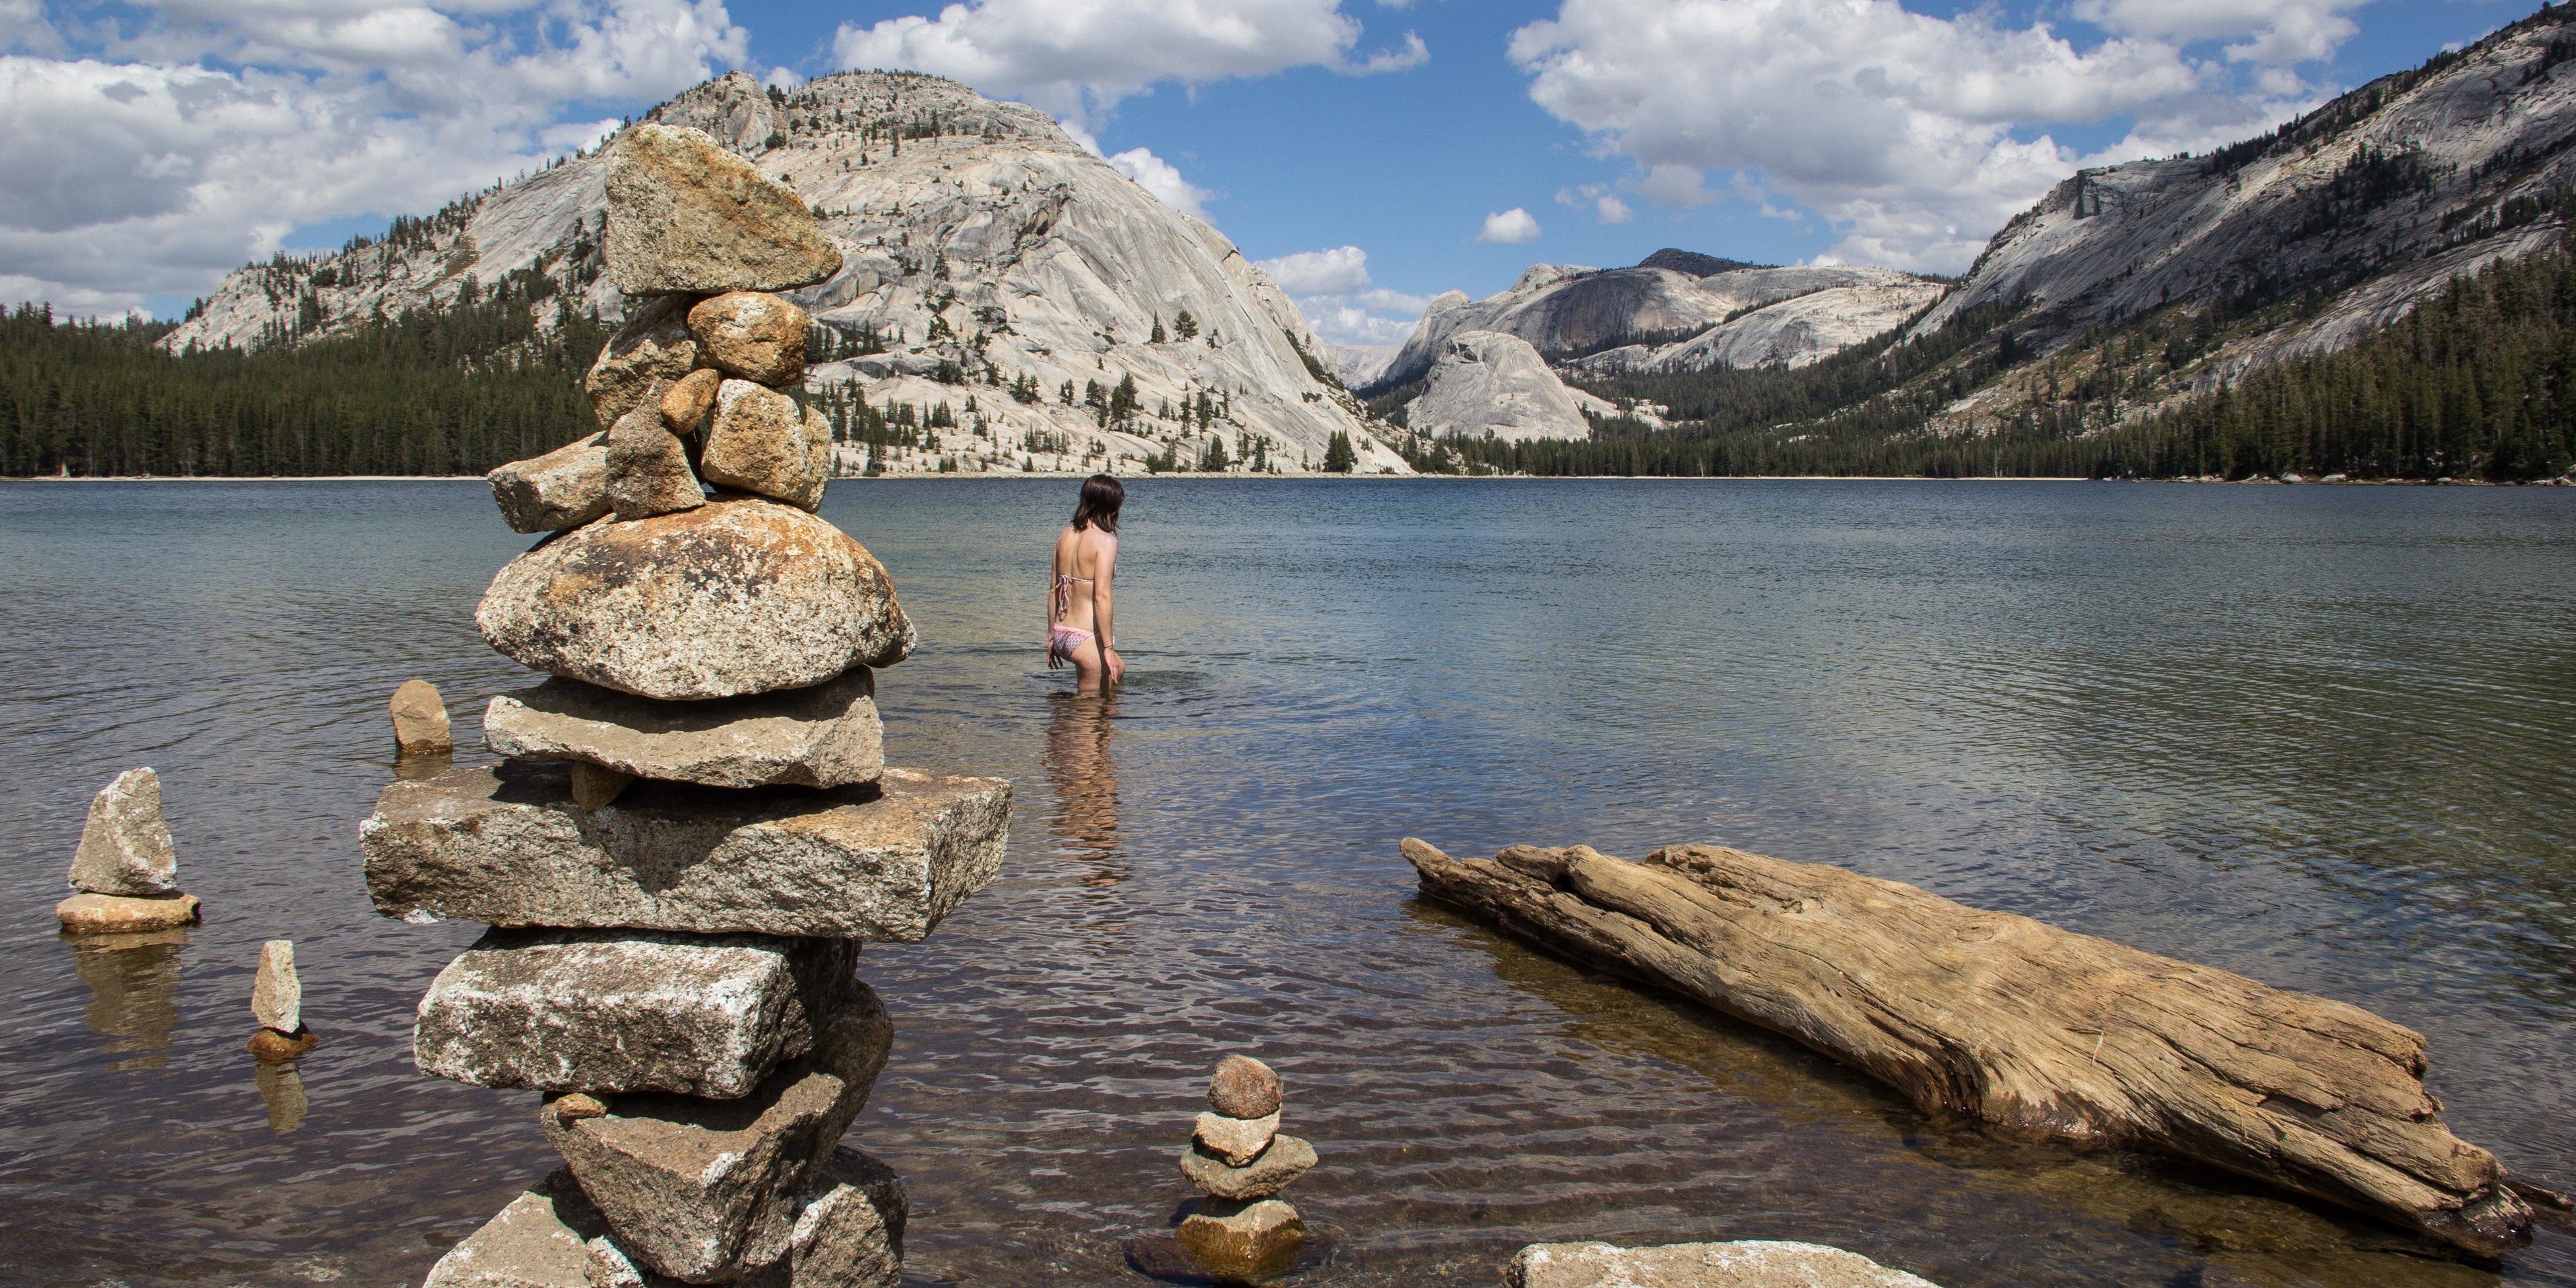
(127, 868)
(695, 829)
(277, 1002)
(1242, 1232)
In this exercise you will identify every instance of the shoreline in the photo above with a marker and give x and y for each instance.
(993, 475)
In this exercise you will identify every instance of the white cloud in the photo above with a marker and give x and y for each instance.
(1332, 289)
(1513, 227)
(1607, 206)
(1163, 179)
(1080, 58)
(1899, 128)
(206, 135)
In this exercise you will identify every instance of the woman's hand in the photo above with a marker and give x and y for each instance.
(1116, 665)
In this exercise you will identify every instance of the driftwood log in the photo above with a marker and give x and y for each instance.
(2017, 1024)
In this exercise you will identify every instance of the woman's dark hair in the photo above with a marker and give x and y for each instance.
(1098, 508)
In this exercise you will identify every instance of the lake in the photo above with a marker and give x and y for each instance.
(2319, 736)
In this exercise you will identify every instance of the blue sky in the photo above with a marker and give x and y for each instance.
(1381, 135)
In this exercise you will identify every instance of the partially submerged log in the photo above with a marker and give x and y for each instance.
(2017, 1024)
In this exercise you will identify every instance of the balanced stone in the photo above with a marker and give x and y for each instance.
(420, 720)
(733, 598)
(125, 846)
(653, 349)
(1284, 1161)
(685, 404)
(1751, 1263)
(564, 488)
(504, 845)
(623, 1011)
(113, 914)
(760, 442)
(276, 995)
(687, 216)
(1251, 1242)
(596, 787)
(1236, 1140)
(752, 334)
(702, 1190)
(1243, 1087)
(648, 468)
(825, 736)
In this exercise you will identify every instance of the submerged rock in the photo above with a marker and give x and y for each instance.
(1752, 1263)
(627, 1011)
(687, 216)
(504, 845)
(752, 334)
(1286, 1159)
(1250, 1243)
(564, 488)
(825, 736)
(276, 995)
(112, 914)
(736, 597)
(648, 468)
(420, 720)
(762, 442)
(125, 846)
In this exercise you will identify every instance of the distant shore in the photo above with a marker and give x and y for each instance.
(990, 475)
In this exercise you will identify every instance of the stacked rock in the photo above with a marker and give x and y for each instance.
(1241, 1232)
(277, 1002)
(127, 868)
(696, 829)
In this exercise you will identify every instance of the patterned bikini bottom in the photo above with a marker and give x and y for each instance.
(1062, 643)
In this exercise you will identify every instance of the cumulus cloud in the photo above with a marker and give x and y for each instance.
(1910, 134)
(1333, 290)
(1080, 58)
(200, 139)
(1513, 227)
(1607, 206)
(1163, 179)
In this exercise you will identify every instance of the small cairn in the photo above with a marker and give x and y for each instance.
(695, 828)
(420, 720)
(127, 867)
(1242, 1232)
(277, 1002)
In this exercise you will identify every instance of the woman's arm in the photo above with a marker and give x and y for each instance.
(1100, 594)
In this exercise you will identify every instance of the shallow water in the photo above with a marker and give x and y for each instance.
(2319, 736)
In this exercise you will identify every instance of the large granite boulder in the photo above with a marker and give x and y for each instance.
(648, 467)
(702, 1190)
(762, 442)
(125, 846)
(752, 334)
(651, 351)
(564, 488)
(686, 216)
(625, 1011)
(505, 845)
(735, 597)
(1751, 1263)
(825, 736)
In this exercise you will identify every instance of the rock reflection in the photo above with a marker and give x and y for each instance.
(281, 1087)
(415, 766)
(134, 992)
(1085, 775)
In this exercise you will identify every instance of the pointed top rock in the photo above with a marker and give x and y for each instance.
(420, 720)
(685, 216)
(276, 996)
(125, 848)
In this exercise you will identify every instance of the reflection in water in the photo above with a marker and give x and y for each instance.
(418, 766)
(281, 1085)
(1086, 782)
(134, 992)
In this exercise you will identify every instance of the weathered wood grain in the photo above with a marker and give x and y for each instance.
(2017, 1024)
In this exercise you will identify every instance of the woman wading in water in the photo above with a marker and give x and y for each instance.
(1080, 629)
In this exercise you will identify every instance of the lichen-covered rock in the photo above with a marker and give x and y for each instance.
(686, 403)
(687, 216)
(504, 845)
(420, 720)
(702, 1190)
(564, 488)
(1243, 1087)
(125, 846)
(1247, 1243)
(276, 995)
(116, 914)
(1235, 1141)
(762, 442)
(752, 334)
(627, 1011)
(651, 351)
(1750, 1263)
(648, 468)
(1287, 1159)
(736, 597)
(825, 736)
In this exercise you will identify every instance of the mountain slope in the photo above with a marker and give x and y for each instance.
(988, 257)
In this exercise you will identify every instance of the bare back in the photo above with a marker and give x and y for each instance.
(1084, 558)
